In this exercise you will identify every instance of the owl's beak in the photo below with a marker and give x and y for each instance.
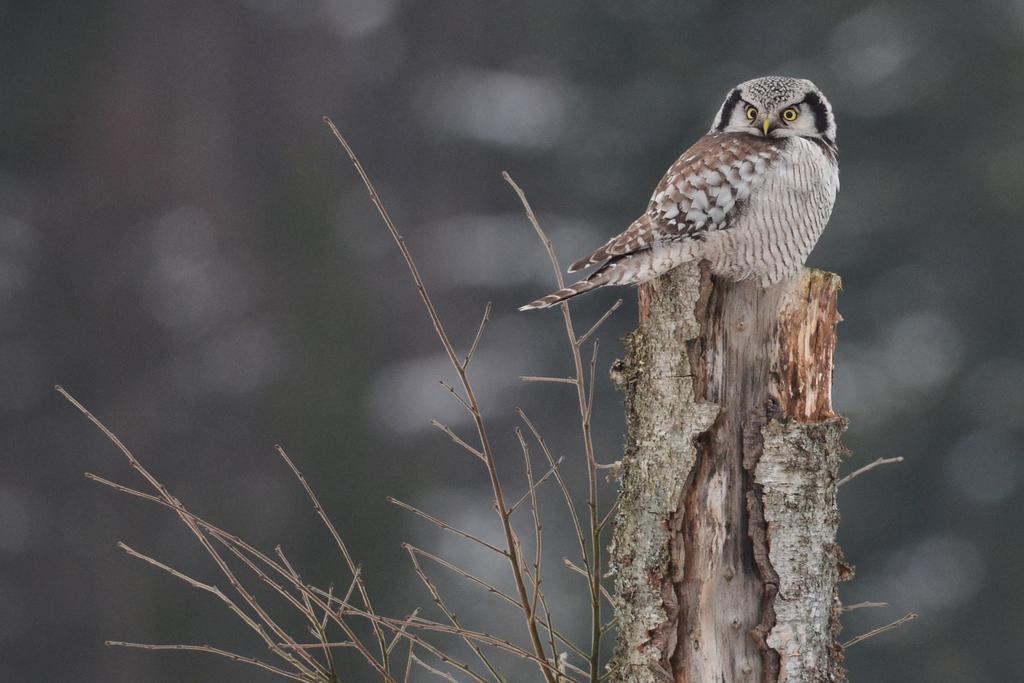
(766, 124)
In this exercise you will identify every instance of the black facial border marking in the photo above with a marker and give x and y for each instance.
(820, 112)
(730, 104)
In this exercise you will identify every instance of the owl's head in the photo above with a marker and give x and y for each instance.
(777, 106)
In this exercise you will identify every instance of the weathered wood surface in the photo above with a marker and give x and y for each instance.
(724, 548)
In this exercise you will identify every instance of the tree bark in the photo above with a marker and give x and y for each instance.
(724, 548)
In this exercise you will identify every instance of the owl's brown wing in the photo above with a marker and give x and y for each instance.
(704, 190)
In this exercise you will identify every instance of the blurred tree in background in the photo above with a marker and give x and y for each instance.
(181, 247)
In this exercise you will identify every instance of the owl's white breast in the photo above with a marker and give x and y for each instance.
(783, 218)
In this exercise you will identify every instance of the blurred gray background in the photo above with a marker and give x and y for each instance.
(183, 247)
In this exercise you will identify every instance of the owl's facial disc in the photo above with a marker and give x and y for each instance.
(774, 106)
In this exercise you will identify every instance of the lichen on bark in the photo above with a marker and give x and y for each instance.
(724, 548)
(664, 418)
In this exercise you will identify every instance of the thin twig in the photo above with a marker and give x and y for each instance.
(881, 629)
(444, 525)
(397, 625)
(490, 588)
(478, 636)
(437, 672)
(230, 604)
(583, 572)
(455, 569)
(436, 595)
(590, 386)
(479, 333)
(530, 216)
(451, 390)
(457, 439)
(401, 632)
(537, 534)
(869, 466)
(608, 515)
(863, 605)
(317, 628)
(553, 380)
(308, 596)
(330, 594)
(200, 536)
(562, 486)
(512, 551)
(594, 566)
(408, 664)
(526, 496)
(600, 321)
(234, 543)
(342, 548)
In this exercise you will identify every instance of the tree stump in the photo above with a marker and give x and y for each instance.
(724, 548)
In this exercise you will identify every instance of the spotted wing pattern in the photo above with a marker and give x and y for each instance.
(704, 190)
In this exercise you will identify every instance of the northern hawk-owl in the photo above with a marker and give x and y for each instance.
(751, 196)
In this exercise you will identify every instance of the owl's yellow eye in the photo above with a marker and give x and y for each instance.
(789, 115)
(751, 113)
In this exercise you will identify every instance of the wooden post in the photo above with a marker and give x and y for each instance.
(724, 549)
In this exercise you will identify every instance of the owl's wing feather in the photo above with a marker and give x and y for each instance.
(704, 190)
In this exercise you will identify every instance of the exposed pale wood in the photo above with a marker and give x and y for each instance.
(724, 548)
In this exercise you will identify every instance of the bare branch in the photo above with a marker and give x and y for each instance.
(457, 439)
(317, 628)
(440, 674)
(434, 593)
(540, 233)
(482, 638)
(863, 605)
(594, 564)
(590, 390)
(232, 542)
(512, 551)
(554, 380)
(330, 596)
(537, 535)
(583, 572)
(870, 466)
(230, 604)
(401, 632)
(526, 496)
(447, 527)
(490, 588)
(308, 596)
(200, 536)
(342, 548)
(348, 594)
(608, 515)
(408, 664)
(566, 495)
(600, 321)
(479, 333)
(881, 629)
(451, 390)
(398, 626)
(319, 646)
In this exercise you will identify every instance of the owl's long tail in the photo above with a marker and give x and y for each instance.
(598, 279)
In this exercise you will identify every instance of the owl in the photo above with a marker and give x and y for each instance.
(751, 196)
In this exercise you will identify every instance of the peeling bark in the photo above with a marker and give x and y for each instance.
(724, 548)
